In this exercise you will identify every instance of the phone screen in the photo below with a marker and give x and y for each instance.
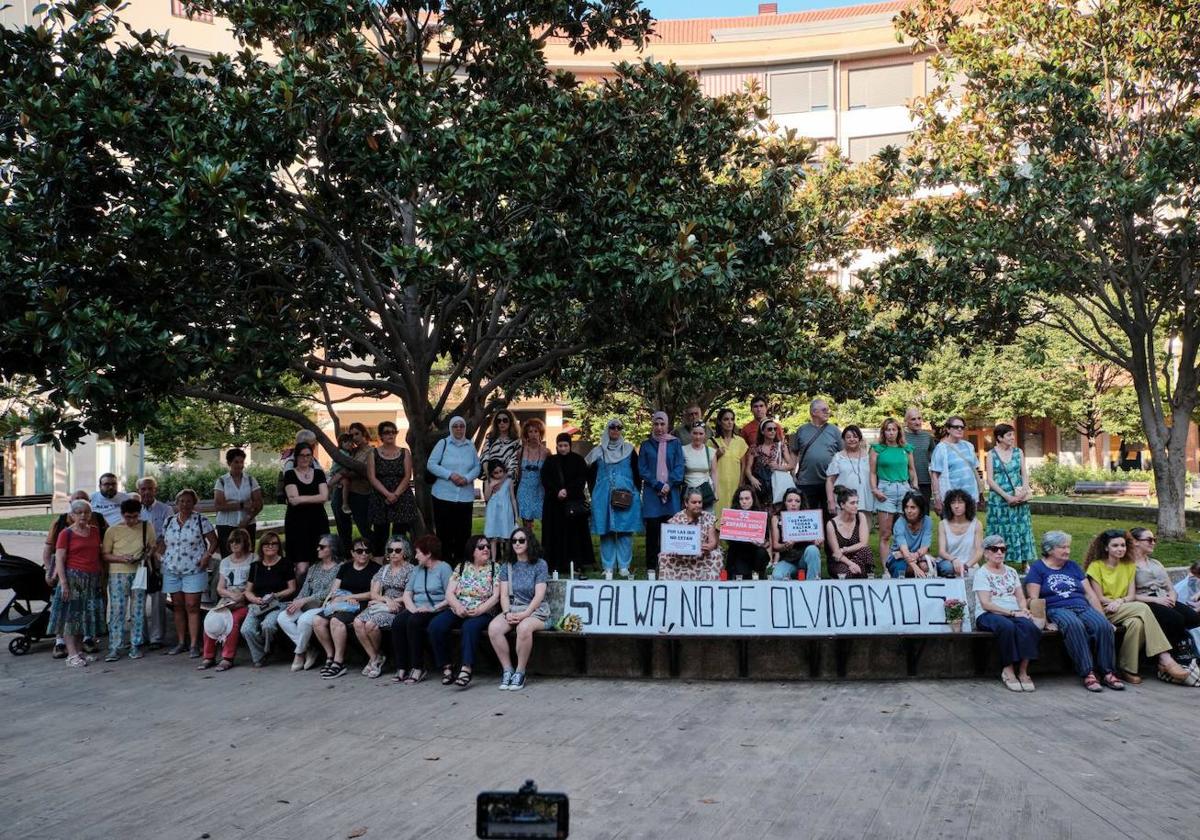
(500, 814)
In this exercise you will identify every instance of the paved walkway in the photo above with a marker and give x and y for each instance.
(155, 749)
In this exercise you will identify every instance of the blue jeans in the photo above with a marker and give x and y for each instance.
(1082, 627)
(1016, 639)
(898, 567)
(616, 550)
(812, 566)
(473, 629)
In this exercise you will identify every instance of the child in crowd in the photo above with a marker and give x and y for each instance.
(500, 517)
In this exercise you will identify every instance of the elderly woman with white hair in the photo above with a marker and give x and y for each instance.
(1074, 607)
(455, 465)
(77, 607)
(1002, 610)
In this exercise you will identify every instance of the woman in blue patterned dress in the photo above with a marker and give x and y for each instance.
(529, 477)
(1008, 511)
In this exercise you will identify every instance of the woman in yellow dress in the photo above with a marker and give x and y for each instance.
(731, 449)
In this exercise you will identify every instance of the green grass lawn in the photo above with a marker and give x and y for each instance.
(1081, 529)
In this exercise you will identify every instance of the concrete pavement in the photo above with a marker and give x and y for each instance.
(156, 749)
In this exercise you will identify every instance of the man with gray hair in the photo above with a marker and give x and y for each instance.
(922, 443)
(814, 444)
(156, 513)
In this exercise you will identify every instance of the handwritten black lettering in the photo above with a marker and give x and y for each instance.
(780, 605)
(746, 593)
(837, 611)
(909, 589)
(579, 601)
(882, 596)
(857, 595)
(933, 591)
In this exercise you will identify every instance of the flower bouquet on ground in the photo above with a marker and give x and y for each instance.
(955, 609)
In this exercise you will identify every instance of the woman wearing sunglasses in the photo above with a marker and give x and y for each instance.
(296, 619)
(1001, 609)
(387, 599)
(347, 598)
(522, 606)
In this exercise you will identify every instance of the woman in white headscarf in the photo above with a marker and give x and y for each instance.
(616, 506)
(455, 466)
(661, 467)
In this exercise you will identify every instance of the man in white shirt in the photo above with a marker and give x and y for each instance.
(107, 500)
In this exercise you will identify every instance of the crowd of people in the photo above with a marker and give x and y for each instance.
(125, 553)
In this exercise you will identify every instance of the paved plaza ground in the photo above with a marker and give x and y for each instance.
(156, 749)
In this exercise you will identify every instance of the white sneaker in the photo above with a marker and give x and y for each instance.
(625, 573)
(506, 680)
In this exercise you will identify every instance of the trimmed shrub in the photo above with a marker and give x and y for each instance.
(1055, 479)
(201, 479)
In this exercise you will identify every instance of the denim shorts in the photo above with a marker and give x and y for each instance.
(895, 491)
(192, 583)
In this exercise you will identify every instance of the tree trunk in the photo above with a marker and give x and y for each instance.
(1089, 452)
(1168, 447)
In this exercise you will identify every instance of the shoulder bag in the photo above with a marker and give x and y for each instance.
(430, 478)
(708, 496)
(619, 498)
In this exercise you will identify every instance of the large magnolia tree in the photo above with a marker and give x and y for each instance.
(1061, 186)
(393, 198)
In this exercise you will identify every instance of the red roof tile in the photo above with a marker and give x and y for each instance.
(699, 30)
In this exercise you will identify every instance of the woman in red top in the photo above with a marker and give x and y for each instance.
(77, 609)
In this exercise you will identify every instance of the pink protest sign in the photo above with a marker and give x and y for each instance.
(743, 525)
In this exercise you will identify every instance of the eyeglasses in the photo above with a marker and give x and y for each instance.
(392, 550)
(270, 545)
(616, 426)
(519, 541)
(1147, 539)
(999, 549)
(483, 547)
(956, 426)
(503, 420)
(360, 551)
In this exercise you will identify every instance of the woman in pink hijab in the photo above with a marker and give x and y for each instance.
(660, 463)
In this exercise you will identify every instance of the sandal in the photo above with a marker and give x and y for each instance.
(415, 676)
(400, 677)
(225, 665)
(1012, 684)
(1112, 681)
(448, 675)
(1027, 684)
(464, 678)
(375, 668)
(1091, 683)
(206, 664)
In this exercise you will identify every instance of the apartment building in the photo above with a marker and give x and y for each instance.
(838, 76)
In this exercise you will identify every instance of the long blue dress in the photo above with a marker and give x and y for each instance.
(618, 476)
(530, 492)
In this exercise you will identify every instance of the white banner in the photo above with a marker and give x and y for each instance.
(764, 608)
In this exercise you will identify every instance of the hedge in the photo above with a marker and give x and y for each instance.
(201, 479)
(1055, 479)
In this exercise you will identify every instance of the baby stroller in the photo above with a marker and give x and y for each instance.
(27, 580)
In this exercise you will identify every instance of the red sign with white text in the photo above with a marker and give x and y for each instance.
(743, 525)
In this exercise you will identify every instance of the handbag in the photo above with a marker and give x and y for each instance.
(139, 577)
(618, 497)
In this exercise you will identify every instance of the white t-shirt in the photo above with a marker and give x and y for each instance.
(1002, 587)
(235, 574)
(233, 493)
(110, 509)
(853, 474)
